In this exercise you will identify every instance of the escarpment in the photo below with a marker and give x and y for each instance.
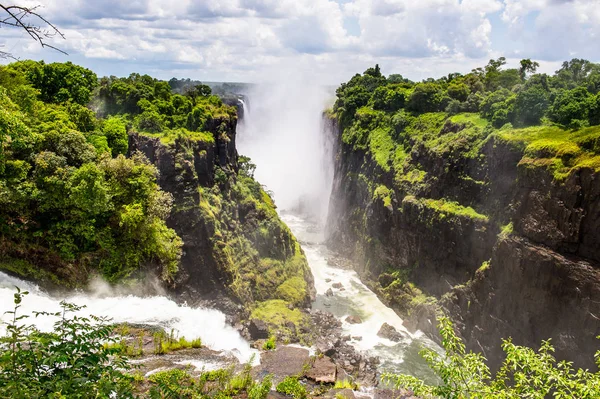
(233, 239)
(445, 213)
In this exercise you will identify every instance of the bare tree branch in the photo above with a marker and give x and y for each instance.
(36, 26)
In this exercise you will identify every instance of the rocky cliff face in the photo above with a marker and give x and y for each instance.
(234, 241)
(494, 239)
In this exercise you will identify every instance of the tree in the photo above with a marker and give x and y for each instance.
(527, 66)
(570, 105)
(458, 91)
(74, 360)
(531, 105)
(28, 19)
(426, 97)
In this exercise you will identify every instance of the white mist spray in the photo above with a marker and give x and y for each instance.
(283, 133)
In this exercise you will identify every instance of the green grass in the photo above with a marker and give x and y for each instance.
(292, 387)
(384, 194)
(559, 150)
(470, 119)
(346, 384)
(447, 209)
(506, 231)
(292, 290)
(269, 344)
(484, 266)
(276, 314)
(382, 146)
(169, 137)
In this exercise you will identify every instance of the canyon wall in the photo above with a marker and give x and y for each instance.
(471, 224)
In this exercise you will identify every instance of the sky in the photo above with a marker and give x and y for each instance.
(328, 40)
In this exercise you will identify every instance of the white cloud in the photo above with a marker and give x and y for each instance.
(244, 39)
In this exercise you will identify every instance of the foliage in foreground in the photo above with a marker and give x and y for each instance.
(69, 362)
(525, 373)
(82, 358)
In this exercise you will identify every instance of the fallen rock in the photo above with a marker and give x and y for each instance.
(389, 332)
(357, 338)
(337, 285)
(353, 319)
(282, 362)
(329, 292)
(258, 329)
(323, 371)
(328, 280)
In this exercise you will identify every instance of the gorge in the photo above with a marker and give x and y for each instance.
(376, 215)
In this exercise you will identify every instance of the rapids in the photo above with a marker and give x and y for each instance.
(208, 324)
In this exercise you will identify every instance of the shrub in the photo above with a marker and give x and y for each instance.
(525, 373)
(269, 343)
(72, 361)
(291, 386)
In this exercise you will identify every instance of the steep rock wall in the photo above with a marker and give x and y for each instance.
(233, 239)
(535, 278)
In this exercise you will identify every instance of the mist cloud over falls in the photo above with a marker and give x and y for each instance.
(284, 135)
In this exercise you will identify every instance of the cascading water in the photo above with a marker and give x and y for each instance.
(287, 140)
(208, 324)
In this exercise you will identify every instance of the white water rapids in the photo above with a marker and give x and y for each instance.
(207, 324)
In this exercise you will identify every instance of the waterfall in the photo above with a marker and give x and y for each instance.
(284, 136)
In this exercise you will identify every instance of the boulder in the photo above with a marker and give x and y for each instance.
(353, 319)
(329, 292)
(323, 371)
(337, 285)
(258, 329)
(389, 332)
(282, 362)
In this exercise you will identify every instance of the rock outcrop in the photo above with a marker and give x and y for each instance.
(496, 240)
(232, 235)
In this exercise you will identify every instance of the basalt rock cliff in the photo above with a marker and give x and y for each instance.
(472, 221)
(233, 239)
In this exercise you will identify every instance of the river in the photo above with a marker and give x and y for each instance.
(284, 134)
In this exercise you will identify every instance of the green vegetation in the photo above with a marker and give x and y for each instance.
(258, 251)
(453, 117)
(446, 209)
(525, 373)
(70, 361)
(269, 344)
(83, 358)
(506, 231)
(76, 202)
(71, 202)
(282, 321)
(292, 387)
(346, 384)
(224, 383)
(384, 194)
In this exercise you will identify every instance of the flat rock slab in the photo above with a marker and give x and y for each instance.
(281, 362)
(323, 371)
